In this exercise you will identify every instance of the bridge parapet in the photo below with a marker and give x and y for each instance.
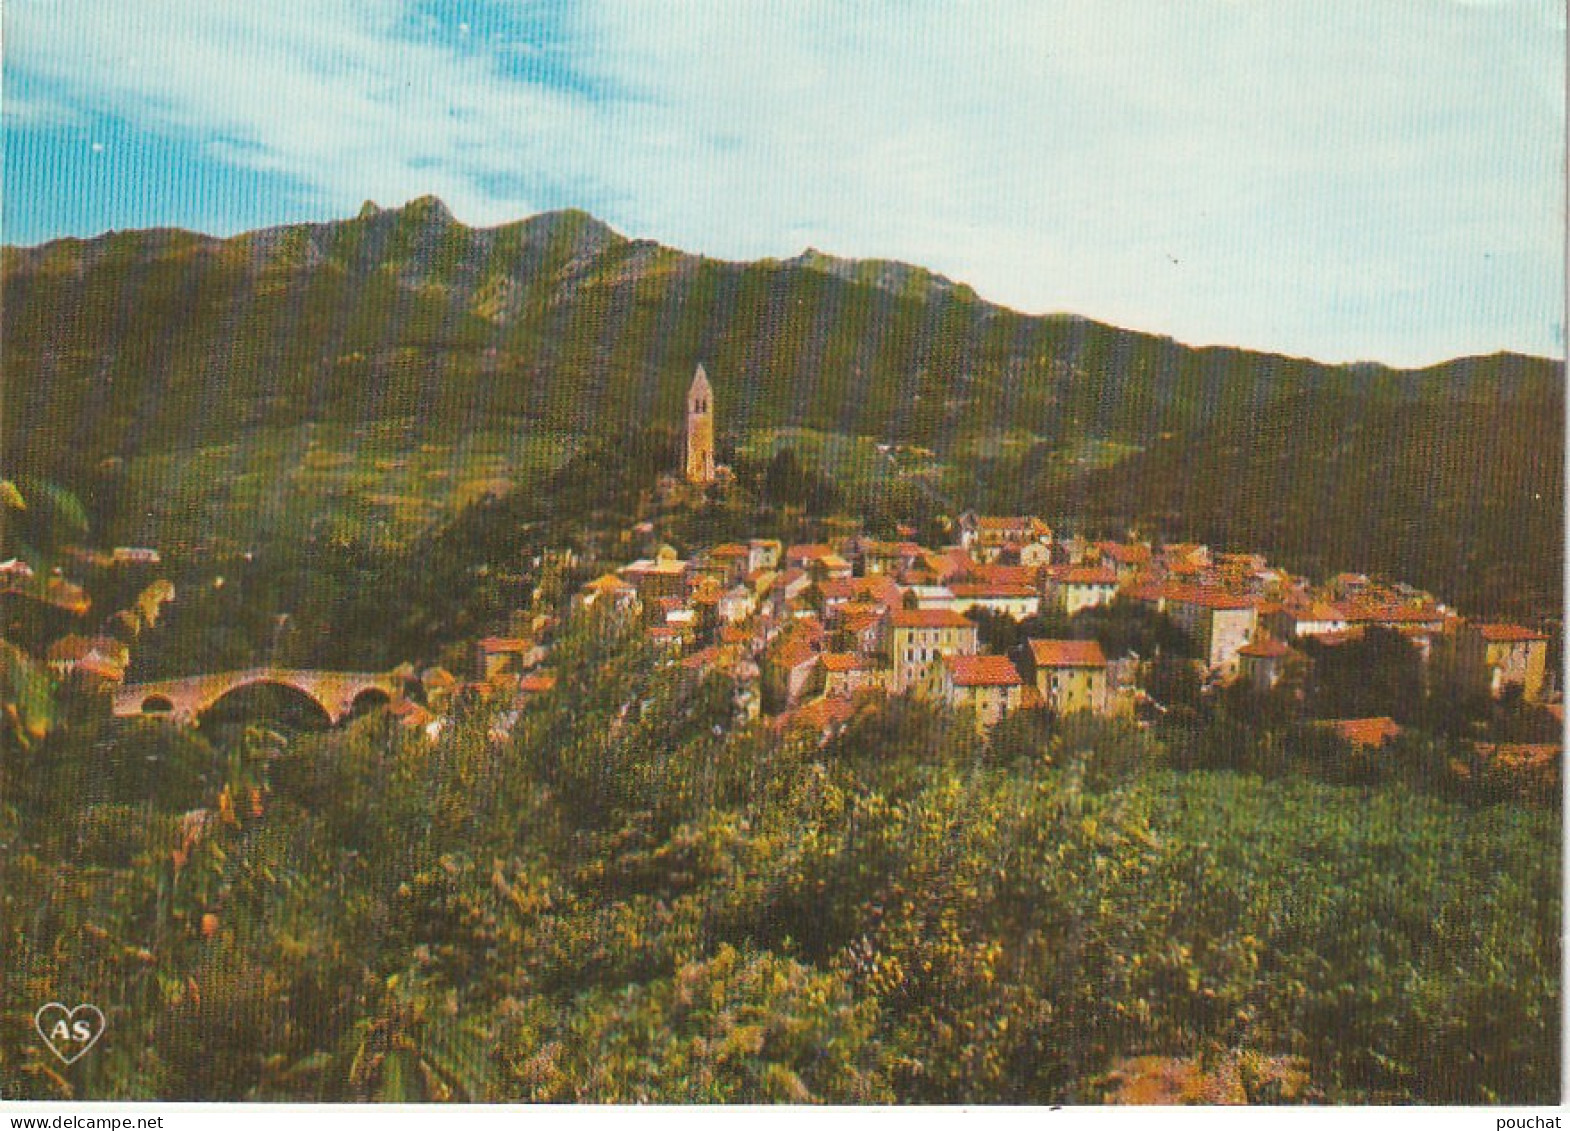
(184, 700)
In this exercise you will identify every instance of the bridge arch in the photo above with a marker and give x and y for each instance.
(157, 705)
(368, 700)
(297, 695)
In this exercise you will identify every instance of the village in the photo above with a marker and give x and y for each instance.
(811, 633)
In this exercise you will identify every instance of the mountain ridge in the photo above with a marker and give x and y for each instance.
(880, 271)
(133, 343)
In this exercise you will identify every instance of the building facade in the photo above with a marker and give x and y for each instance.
(919, 638)
(1070, 675)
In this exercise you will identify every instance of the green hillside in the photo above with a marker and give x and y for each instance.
(1464, 497)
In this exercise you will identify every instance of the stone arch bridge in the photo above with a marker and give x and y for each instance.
(336, 693)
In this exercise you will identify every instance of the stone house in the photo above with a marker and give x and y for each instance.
(1491, 657)
(989, 685)
(1070, 675)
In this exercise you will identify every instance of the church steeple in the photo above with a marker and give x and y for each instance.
(700, 430)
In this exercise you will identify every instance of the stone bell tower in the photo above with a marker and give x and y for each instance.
(699, 462)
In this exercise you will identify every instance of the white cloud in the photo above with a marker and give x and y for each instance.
(1308, 167)
(34, 113)
(1348, 180)
(328, 92)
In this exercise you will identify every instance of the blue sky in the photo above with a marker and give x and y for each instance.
(1358, 179)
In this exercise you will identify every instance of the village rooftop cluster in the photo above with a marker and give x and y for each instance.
(811, 632)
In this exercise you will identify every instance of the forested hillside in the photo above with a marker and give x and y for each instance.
(1464, 498)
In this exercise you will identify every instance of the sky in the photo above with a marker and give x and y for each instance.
(1341, 179)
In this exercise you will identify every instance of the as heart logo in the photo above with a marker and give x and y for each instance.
(69, 1033)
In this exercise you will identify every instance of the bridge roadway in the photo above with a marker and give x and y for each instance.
(336, 693)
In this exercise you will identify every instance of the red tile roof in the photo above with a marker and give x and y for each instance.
(70, 649)
(826, 714)
(843, 662)
(1520, 755)
(874, 548)
(930, 618)
(792, 653)
(808, 551)
(982, 671)
(702, 659)
(103, 669)
(1392, 614)
(1067, 654)
(1005, 575)
(951, 563)
(861, 622)
(1206, 597)
(1319, 611)
(1125, 553)
(1264, 648)
(505, 645)
(1507, 633)
(1366, 732)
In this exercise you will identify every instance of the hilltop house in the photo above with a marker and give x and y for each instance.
(1009, 598)
(918, 638)
(989, 685)
(1262, 662)
(791, 670)
(1491, 657)
(656, 578)
(846, 673)
(1220, 623)
(1072, 588)
(1070, 675)
(610, 591)
(989, 537)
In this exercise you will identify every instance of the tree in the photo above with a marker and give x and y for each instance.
(1380, 674)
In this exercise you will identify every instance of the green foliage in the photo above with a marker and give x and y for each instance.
(786, 483)
(27, 693)
(631, 898)
(1122, 628)
(1380, 674)
(735, 1027)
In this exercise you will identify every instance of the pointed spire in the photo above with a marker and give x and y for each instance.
(700, 382)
